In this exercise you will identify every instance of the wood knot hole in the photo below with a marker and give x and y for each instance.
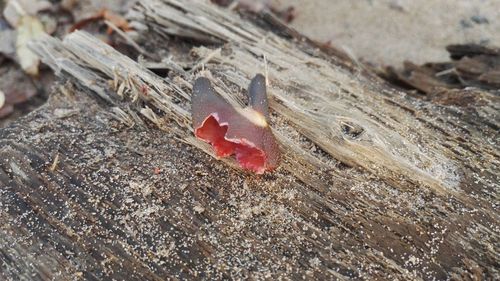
(351, 130)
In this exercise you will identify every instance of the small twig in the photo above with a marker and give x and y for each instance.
(53, 167)
(444, 72)
(127, 38)
(266, 71)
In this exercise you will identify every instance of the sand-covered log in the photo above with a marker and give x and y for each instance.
(107, 180)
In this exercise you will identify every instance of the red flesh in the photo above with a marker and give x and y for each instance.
(247, 155)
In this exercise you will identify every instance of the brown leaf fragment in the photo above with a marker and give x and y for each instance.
(102, 15)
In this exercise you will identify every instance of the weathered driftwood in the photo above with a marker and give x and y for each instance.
(374, 183)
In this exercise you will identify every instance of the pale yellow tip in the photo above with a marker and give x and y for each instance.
(254, 116)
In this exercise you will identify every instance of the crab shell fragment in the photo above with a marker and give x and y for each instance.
(244, 132)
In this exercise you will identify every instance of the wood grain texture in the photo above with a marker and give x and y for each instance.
(374, 184)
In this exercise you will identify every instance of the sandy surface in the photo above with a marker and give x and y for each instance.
(391, 31)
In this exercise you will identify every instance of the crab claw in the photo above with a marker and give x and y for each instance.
(241, 131)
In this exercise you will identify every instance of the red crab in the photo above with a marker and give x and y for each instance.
(244, 132)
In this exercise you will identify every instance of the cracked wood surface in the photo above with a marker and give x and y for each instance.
(106, 180)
